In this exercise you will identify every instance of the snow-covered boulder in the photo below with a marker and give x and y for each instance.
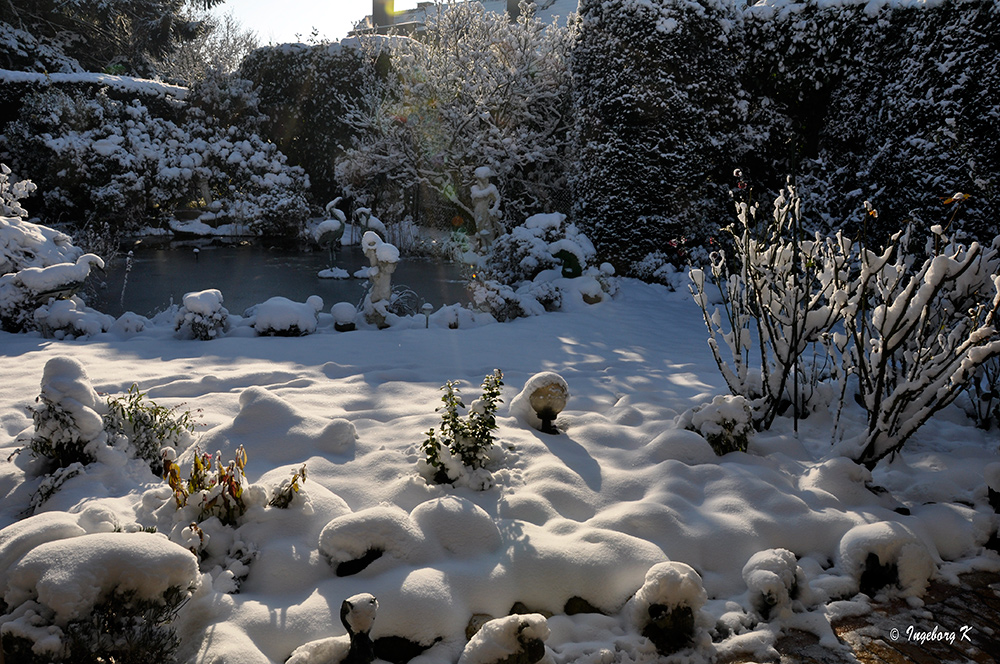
(516, 639)
(384, 533)
(667, 609)
(773, 579)
(884, 555)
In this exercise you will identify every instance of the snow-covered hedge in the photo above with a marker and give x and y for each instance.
(303, 91)
(824, 104)
(103, 159)
(654, 133)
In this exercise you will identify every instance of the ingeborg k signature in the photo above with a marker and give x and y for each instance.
(914, 634)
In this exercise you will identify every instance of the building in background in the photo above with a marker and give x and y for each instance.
(384, 18)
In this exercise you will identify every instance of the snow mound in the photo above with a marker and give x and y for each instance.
(385, 529)
(330, 650)
(265, 419)
(21, 537)
(891, 543)
(69, 576)
(461, 527)
(504, 638)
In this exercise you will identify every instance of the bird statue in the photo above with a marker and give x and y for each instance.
(357, 613)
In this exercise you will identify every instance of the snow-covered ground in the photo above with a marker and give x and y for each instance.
(586, 513)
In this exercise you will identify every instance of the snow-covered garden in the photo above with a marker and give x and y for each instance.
(792, 418)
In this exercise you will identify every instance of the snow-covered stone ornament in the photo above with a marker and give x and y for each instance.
(357, 613)
(383, 258)
(486, 209)
(548, 393)
(344, 314)
(667, 608)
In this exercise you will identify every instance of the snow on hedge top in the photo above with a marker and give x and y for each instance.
(24, 244)
(69, 576)
(123, 83)
(769, 9)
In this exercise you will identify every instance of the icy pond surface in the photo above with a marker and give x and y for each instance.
(162, 273)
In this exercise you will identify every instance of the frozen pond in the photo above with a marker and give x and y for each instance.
(162, 273)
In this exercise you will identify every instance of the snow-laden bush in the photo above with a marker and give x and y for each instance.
(529, 270)
(44, 298)
(24, 244)
(460, 451)
(778, 301)
(217, 490)
(11, 194)
(915, 330)
(426, 119)
(147, 427)
(103, 160)
(202, 316)
(67, 415)
(726, 423)
(279, 316)
(907, 329)
(97, 598)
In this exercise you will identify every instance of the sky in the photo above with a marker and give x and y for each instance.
(281, 22)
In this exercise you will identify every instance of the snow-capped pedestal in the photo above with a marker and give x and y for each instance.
(383, 258)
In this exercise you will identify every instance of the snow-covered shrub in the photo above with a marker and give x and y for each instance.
(11, 194)
(516, 638)
(202, 316)
(146, 426)
(886, 555)
(282, 317)
(657, 88)
(667, 609)
(726, 423)
(543, 242)
(69, 318)
(915, 330)
(103, 160)
(461, 447)
(27, 299)
(24, 244)
(290, 490)
(782, 296)
(97, 598)
(773, 579)
(525, 270)
(67, 417)
(426, 120)
(216, 489)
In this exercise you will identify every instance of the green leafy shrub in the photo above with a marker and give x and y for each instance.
(463, 444)
(726, 423)
(147, 426)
